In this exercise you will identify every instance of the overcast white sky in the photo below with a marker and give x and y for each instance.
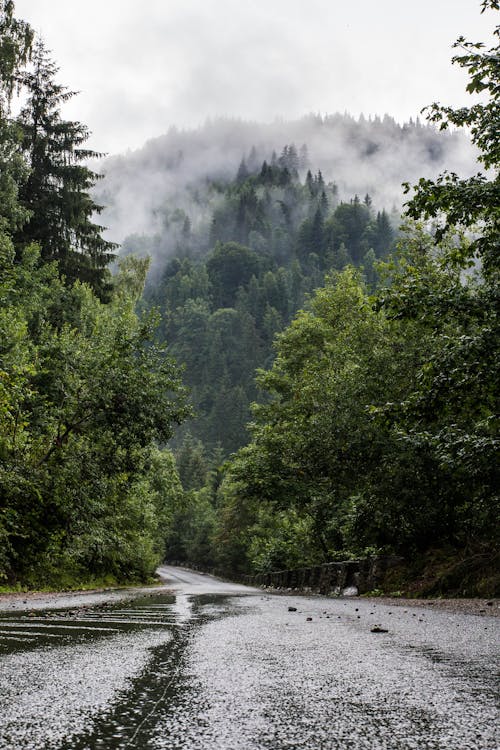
(142, 66)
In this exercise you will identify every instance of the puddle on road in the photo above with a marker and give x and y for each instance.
(163, 685)
(63, 627)
(124, 717)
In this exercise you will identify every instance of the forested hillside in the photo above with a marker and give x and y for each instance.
(241, 222)
(270, 370)
(273, 238)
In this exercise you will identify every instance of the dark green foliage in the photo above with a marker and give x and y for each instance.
(230, 266)
(452, 413)
(85, 395)
(316, 451)
(349, 225)
(192, 463)
(224, 308)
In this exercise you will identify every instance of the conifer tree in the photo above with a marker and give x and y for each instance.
(323, 204)
(384, 235)
(303, 157)
(266, 174)
(253, 161)
(56, 192)
(16, 38)
(310, 182)
(243, 172)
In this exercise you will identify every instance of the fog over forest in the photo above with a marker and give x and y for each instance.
(359, 156)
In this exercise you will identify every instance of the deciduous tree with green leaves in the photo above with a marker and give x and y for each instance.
(452, 289)
(85, 395)
(316, 449)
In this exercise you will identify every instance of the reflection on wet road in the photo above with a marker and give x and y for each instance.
(217, 666)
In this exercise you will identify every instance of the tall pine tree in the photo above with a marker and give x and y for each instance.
(56, 192)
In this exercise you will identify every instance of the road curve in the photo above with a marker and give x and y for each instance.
(188, 581)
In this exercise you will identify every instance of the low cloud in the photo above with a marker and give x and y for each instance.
(142, 67)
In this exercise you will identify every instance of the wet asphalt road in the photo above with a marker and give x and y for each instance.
(219, 666)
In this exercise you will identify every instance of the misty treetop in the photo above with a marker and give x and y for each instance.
(181, 170)
(272, 238)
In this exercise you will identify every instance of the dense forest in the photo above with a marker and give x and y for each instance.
(150, 191)
(273, 238)
(297, 378)
(240, 234)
